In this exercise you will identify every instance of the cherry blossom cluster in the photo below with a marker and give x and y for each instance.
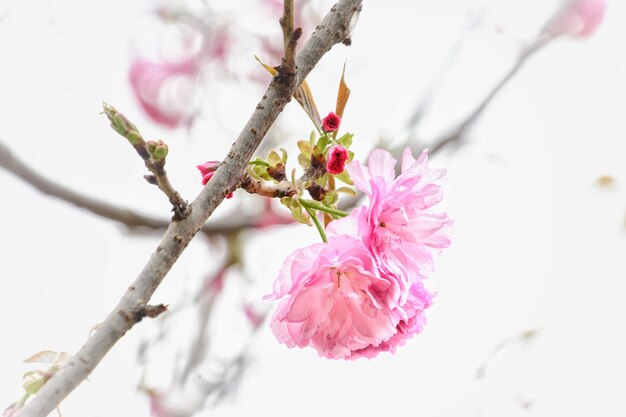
(362, 292)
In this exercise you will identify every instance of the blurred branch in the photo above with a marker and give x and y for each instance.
(461, 130)
(125, 216)
(332, 30)
(435, 84)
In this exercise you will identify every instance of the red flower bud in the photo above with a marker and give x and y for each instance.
(331, 122)
(207, 170)
(336, 160)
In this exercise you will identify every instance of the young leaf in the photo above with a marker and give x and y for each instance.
(48, 356)
(331, 197)
(303, 96)
(269, 69)
(304, 161)
(273, 158)
(346, 140)
(342, 96)
(305, 147)
(344, 177)
(322, 143)
(347, 190)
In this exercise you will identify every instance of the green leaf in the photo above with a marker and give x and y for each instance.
(304, 161)
(346, 140)
(283, 157)
(347, 190)
(296, 210)
(273, 158)
(269, 69)
(33, 385)
(253, 174)
(259, 161)
(344, 177)
(330, 198)
(286, 201)
(322, 143)
(305, 147)
(261, 172)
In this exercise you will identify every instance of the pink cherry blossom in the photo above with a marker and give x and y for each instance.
(398, 225)
(579, 18)
(336, 300)
(337, 158)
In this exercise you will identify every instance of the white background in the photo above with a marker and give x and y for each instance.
(539, 245)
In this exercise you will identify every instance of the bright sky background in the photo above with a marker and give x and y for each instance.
(539, 245)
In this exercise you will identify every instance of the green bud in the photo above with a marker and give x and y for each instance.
(122, 125)
(160, 151)
(134, 137)
(151, 146)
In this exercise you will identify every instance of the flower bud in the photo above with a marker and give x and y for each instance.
(336, 160)
(122, 125)
(160, 151)
(331, 122)
(207, 170)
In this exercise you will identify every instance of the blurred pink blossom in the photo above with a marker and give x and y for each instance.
(304, 17)
(579, 18)
(269, 217)
(165, 89)
(11, 411)
(255, 317)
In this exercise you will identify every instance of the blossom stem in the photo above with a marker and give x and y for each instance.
(320, 207)
(319, 226)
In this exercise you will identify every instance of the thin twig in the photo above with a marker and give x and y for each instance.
(122, 215)
(331, 31)
(460, 131)
(154, 156)
(284, 188)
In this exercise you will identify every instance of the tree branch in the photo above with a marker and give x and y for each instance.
(122, 215)
(459, 132)
(125, 216)
(290, 36)
(332, 30)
